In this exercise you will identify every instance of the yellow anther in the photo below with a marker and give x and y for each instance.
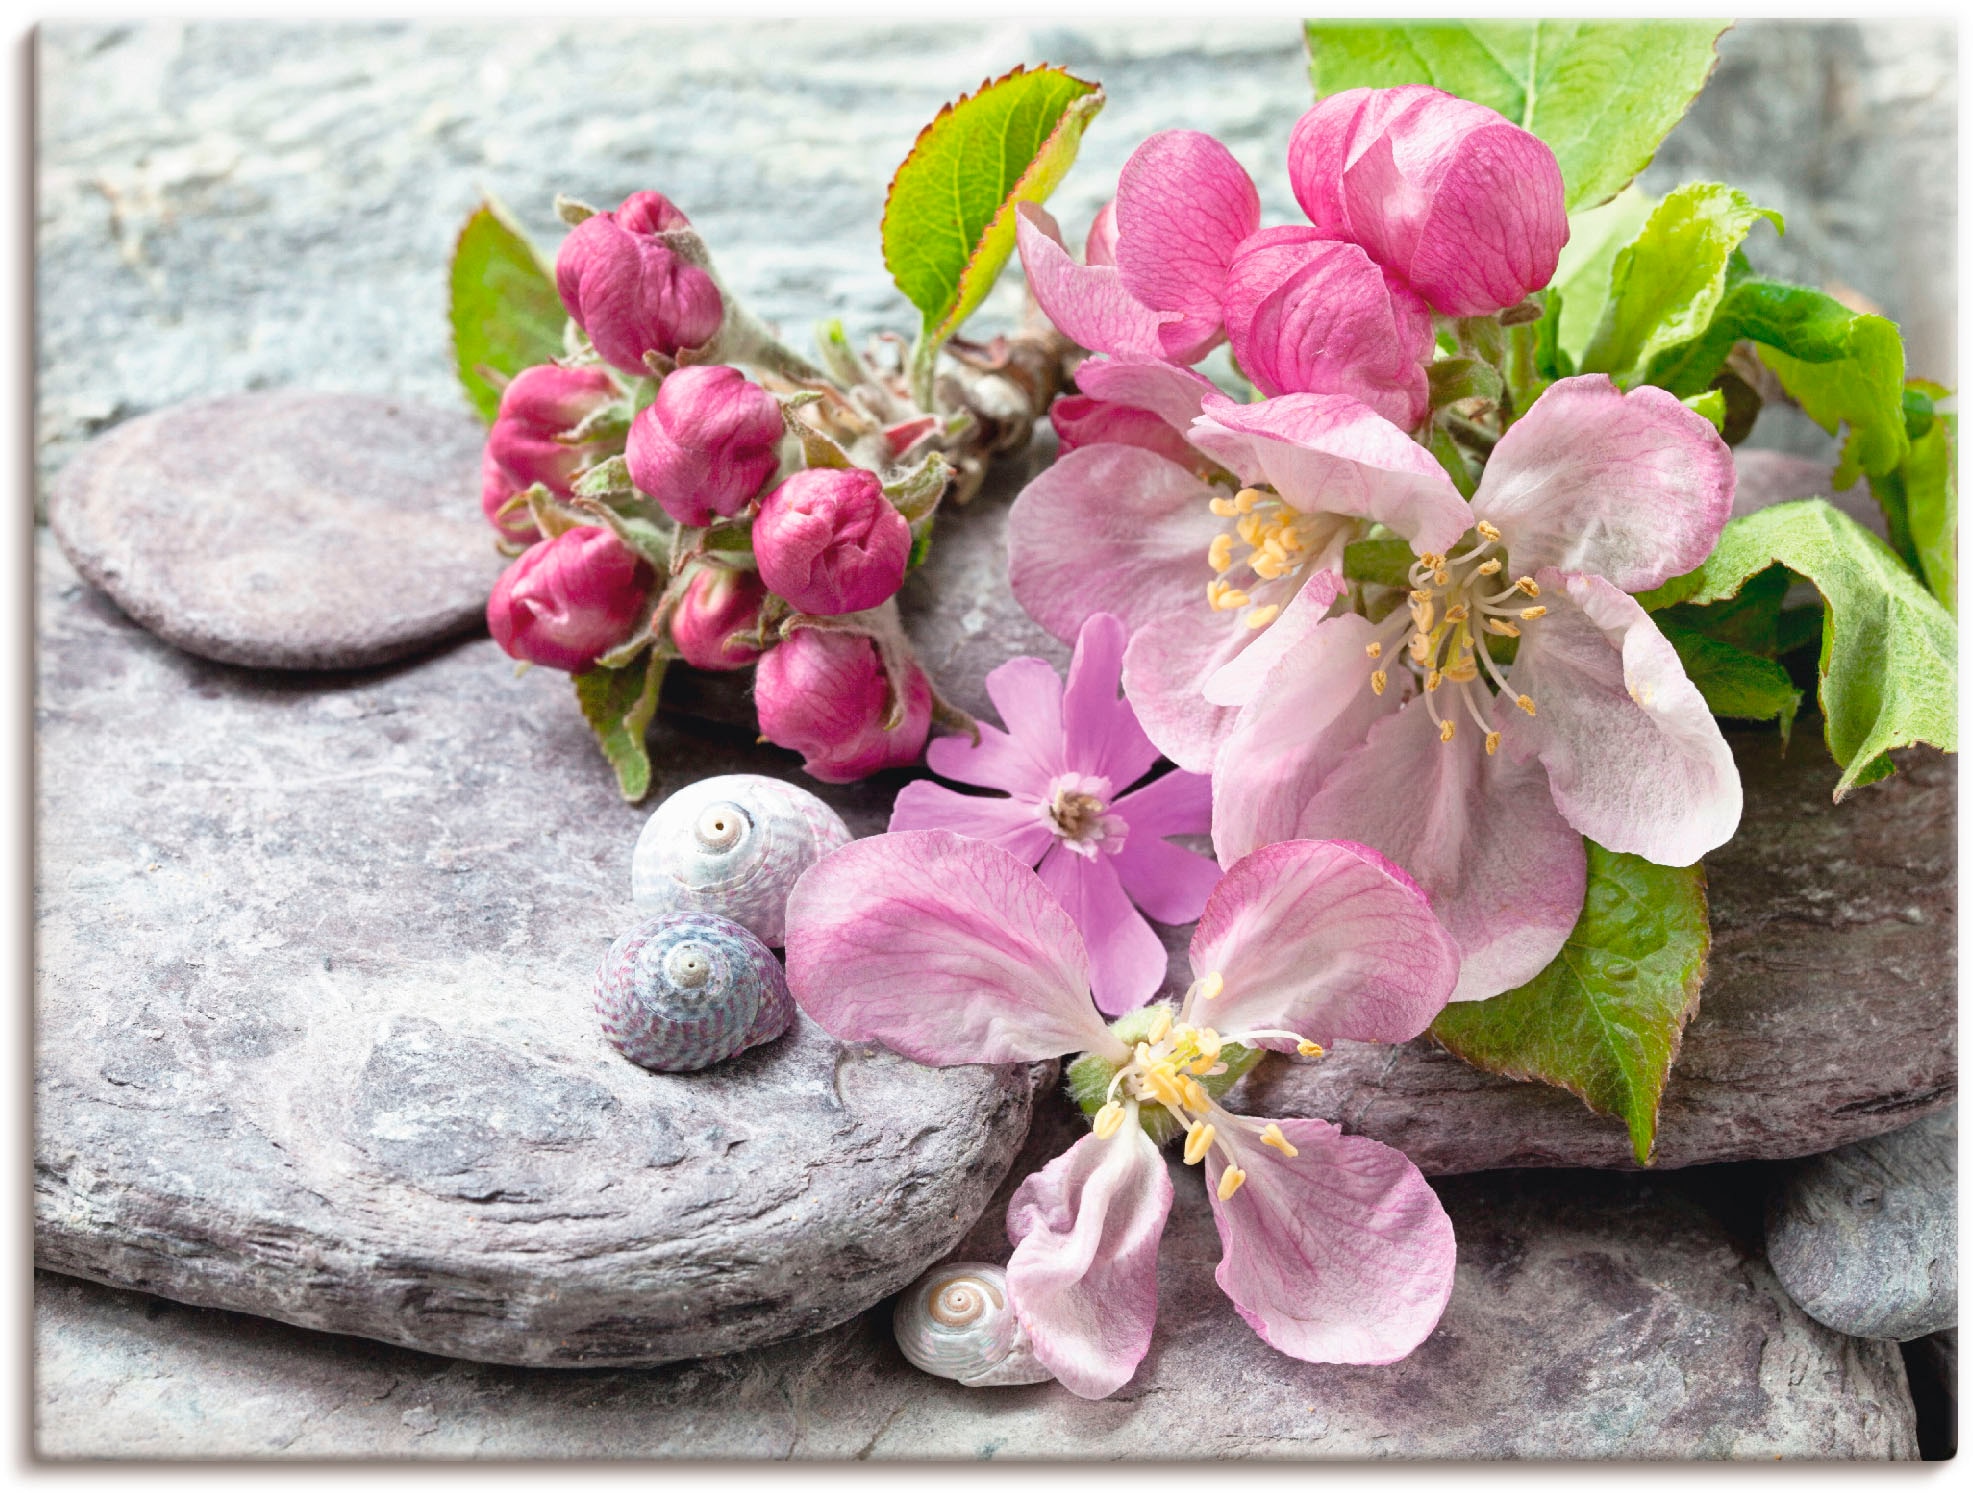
(1229, 1182)
(1160, 1024)
(1207, 1041)
(1528, 614)
(1291, 541)
(1420, 648)
(1456, 613)
(1269, 566)
(1525, 703)
(1231, 600)
(1198, 1141)
(1489, 567)
(1223, 507)
(1502, 629)
(1249, 530)
(1464, 670)
(1527, 585)
(1421, 598)
(1422, 615)
(1309, 1049)
(1433, 680)
(1143, 1053)
(1210, 985)
(1446, 730)
(1196, 1096)
(1245, 499)
(1493, 742)
(1164, 1088)
(1272, 1136)
(1374, 650)
(1440, 577)
(1109, 1120)
(1431, 561)
(1378, 679)
(1219, 554)
(1487, 531)
(1259, 617)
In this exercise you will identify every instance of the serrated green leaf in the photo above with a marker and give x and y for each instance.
(506, 314)
(1582, 274)
(1603, 94)
(619, 704)
(1667, 283)
(949, 218)
(1605, 1018)
(1735, 682)
(1889, 650)
(1864, 390)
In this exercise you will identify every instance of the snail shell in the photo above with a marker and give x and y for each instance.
(688, 989)
(732, 845)
(957, 1322)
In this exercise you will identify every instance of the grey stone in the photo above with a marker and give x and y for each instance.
(1591, 1317)
(1829, 1012)
(1932, 1367)
(314, 1035)
(1866, 1238)
(289, 531)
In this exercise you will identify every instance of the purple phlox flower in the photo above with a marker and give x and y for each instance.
(1067, 761)
(1335, 1250)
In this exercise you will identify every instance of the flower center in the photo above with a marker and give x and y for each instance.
(1456, 603)
(1078, 810)
(1269, 541)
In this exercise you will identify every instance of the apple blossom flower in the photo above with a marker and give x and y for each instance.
(717, 617)
(950, 951)
(703, 448)
(566, 602)
(1066, 761)
(527, 444)
(829, 541)
(1404, 731)
(1458, 203)
(630, 289)
(825, 694)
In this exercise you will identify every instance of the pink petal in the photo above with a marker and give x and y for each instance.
(1165, 669)
(1183, 206)
(1325, 453)
(1100, 733)
(1174, 803)
(1329, 137)
(1175, 395)
(1634, 757)
(1084, 1273)
(1341, 1254)
(1086, 302)
(1236, 681)
(1081, 421)
(1166, 880)
(1028, 694)
(945, 949)
(1480, 834)
(1635, 487)
(1127, 959)
(1324, 939)
(1013, 824)
(1101, 245)
(1110, 529)
(999, 761)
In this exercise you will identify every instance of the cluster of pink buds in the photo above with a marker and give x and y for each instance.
(657, 502)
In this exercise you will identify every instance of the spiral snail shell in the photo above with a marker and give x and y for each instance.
(688, 989)
(957, 1322)
(732, 845)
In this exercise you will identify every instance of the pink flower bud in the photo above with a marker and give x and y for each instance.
(1101, 247)
(823, 694)
(714, 618)
(705, 445)
(1082, 421)
(523, 447)
(628, 289)
(829, 541)
(1463, 206)
(565, 602)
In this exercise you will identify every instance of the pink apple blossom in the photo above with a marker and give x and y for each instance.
(830, 542)
(565, 602)
(1067, 761)
(1335, 1250)
(628, 287)
(716, 618)
(703, 448)
(825, 694)
(527, 442)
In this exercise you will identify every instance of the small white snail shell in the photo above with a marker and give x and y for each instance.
(956, 1322)
(733, 846)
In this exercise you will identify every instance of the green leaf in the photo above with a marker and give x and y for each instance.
(1582, 274)
(1863, 389)
(1605, 1018)
(1381, 562)
(506, 314)
(1931, 491)
(619, 704)
(1735, 682)
(1454, 379)
(1711, 404)
(1601, 93)
(1887, 667)
(1666, 283)
(949, 219)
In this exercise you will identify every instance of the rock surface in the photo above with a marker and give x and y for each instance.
(1592, 1316)
(1866, 1238)
(288, 531)
(314, 1034)
(1829, 1012)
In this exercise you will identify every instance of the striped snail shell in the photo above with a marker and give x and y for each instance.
(957, 1322)
(687, 990)
(732, 845)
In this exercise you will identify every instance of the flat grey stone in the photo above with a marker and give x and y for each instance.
(287, 531)
(1591, 1317)
(1829, 1012)
(314, 1038)
(1866, 1238)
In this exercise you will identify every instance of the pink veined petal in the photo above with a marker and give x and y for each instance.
(1084, 1274)
(1166, 880)
(1087, 303)
(999, 761)
(1082, 421)
(1496, 226)
(1183, 206)
(1635, 487)
(1165, 670)
(1328, 453)
(1127, 960)
(1310, 712)
(1340, 1254)
(1325, 939)
(1175, 395)
(1101, 735)
(1480, 834)
(1110, 529)
(1174, 803)
(1013, 824)
(1235, 682)
(1634, 758)
(945, 949)
(1028, 694)
(1329, 137)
